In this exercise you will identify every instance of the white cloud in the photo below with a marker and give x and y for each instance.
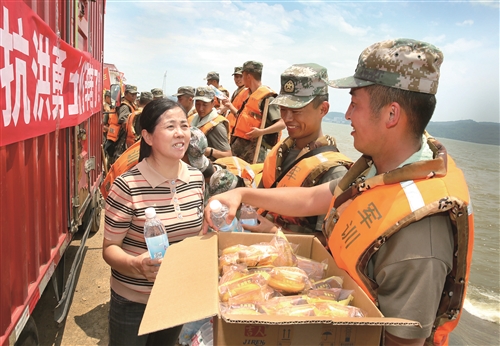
(461, 45)
(467, 22)
(189, 38)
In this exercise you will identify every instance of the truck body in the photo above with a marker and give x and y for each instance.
(51, 69)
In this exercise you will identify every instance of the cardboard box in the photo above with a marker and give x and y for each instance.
(186, 290)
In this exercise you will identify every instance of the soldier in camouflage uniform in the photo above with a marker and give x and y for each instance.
(157, 93)
(399, 221)
(185, 95)
(247, 130)
(303, 102)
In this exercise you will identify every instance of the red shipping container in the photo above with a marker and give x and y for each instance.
(50, 150)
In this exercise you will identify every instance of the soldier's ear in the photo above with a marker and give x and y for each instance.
(325, 107)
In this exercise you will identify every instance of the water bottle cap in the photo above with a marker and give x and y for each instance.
(150, 212)
(215, 205)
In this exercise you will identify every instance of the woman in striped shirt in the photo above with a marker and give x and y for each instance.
(161, 180)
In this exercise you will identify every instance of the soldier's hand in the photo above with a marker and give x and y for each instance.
(255, 132)
(264, 226)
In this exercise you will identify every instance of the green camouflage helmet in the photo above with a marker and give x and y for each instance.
(157, 93)
(238, 70)
(212, 75)
(131, 89)
(145, 97)
(252, 66)
(204, 94)
(221, 181)
(300, 84)
(185, 90)
(401, 63)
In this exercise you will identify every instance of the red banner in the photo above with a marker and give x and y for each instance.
(45, 84)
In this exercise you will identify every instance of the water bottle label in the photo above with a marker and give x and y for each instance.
(157, 246)
(233, 227)
(249, 222)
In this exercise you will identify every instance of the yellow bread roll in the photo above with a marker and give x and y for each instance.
(241, 285)
(288, 280)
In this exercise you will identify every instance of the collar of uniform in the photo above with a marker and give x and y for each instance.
(199, 121)
(424, 154)
(155, 179)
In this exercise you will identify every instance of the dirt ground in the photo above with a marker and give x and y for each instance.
(87, 320)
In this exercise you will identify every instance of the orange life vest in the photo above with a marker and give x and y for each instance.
(307, 172)
(209, 126)
(132, 137)
(391, 207)
(237, 100)
(251, 115)
(126, 161)
(114, 126)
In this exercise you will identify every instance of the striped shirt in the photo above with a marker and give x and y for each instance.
(178, 203)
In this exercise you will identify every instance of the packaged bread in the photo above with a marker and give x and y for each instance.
(315, 270)
(233, 272)
(286, 256)
(258, 255)
(241, 285)
(239, 309)
(277, 303)
(298, 310)
(288, 280)
(330, 282)
(333, 309)
(259, 294)
(233, 249)
(227, 260)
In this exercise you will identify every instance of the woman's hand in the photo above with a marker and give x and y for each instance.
(147, 267)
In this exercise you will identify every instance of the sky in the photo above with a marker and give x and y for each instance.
(175, 43)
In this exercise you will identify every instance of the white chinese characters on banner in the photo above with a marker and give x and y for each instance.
(52, 84)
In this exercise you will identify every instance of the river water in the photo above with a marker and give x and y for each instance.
(480, 324)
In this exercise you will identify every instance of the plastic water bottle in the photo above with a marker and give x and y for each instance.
(155, 235)
(248, 215)
(218, 213)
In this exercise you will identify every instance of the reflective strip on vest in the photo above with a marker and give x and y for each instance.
(321, 158)
(413, 195)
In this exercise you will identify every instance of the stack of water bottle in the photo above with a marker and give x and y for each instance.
(218, 214)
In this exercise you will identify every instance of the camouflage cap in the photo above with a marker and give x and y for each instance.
(107, 93)
(252, 66)
(131, 89)
(204, 94)
(300, 84)
(185, 90)
(222, 181)
(157, 93)
(401, 63)
(238, 70)
(146, 96)
(212, 75)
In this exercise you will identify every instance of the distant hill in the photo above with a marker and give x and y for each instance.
(461, 130)
(336, 117)
(466, 130)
